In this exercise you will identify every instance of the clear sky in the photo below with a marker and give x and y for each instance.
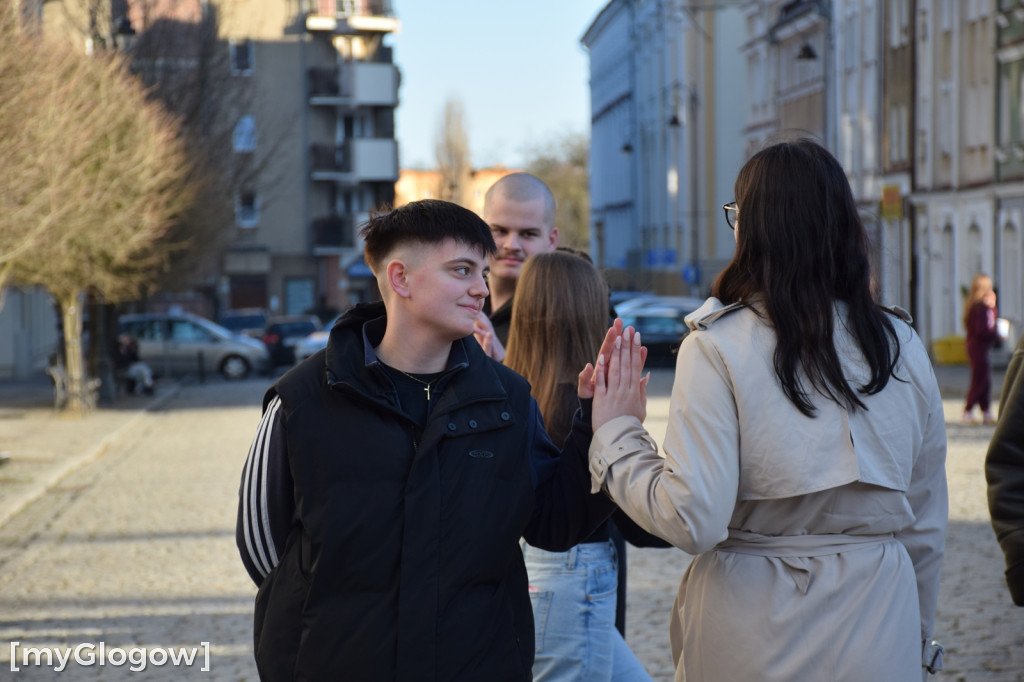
(518, 68)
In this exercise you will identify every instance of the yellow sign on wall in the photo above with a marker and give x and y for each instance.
(891, 207)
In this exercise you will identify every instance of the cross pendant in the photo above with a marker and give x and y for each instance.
(427, 389)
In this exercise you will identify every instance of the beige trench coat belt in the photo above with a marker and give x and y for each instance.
(794, 551)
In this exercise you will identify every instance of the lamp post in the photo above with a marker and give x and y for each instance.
(103, 315)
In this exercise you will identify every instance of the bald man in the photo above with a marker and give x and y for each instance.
(520, 210)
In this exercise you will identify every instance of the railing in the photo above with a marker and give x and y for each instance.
(333, 232)
(331, 158)
(324, 82)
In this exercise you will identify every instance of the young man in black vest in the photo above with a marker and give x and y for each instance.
(394, 473)
(520, 210)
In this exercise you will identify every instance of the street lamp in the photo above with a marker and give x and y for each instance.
(806, 52)
(103, 315)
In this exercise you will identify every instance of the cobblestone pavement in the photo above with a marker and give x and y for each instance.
(119, 529)
(136, 548)
(982, 630)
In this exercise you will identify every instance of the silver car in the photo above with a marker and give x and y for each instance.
(182, 343)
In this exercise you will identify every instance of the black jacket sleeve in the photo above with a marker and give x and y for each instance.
(565, 512)
(266, 504)
(634, 534)
(1004, 471)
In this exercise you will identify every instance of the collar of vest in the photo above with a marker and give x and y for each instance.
(350, 361)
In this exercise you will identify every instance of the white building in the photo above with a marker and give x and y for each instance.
(954, 198)
(667, 107)
(903, 93)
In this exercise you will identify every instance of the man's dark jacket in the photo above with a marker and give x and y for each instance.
(501, 319)
(1004, 471)
(403, 562)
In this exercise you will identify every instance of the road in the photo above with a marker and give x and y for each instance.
(135, 549)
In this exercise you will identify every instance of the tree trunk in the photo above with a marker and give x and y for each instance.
(78, 401)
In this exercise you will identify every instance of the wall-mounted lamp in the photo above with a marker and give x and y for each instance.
(806, 52)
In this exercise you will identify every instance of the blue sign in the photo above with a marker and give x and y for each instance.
(691, 273)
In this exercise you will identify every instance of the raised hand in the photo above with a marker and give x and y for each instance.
(585, 388)
(483, 332)
(619, 388)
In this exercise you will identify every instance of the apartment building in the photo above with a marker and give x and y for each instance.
(904, 93)
(325, 90)
(667, 104)
(891, 133)
(313, 90)
(953, 199)
(1008, 265)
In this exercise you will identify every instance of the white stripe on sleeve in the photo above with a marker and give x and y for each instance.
(258, 539)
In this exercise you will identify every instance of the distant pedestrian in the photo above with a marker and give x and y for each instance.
(1004, 472)
(980, 317)
(131, 366)
(804, 463)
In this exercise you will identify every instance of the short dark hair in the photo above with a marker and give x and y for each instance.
(800, 247)
(429, 221)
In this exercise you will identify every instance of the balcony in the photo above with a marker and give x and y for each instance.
(351, 17)
(354, 84)
(332, 234)
(362, 159)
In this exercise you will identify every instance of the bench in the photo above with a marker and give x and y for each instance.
(62, 388)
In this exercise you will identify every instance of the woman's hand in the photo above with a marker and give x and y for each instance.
(619, 388)
(585, 388)
(483, 332)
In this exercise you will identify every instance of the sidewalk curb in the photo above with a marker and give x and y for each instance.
(48, 481)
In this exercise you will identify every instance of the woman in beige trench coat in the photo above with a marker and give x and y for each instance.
(804, 460)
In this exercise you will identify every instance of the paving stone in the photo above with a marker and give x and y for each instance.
(131, 540)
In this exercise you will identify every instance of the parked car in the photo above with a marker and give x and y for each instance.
(314, 342)
(660, 321)
(283, 332)
(248, 321)
(620, 296)
(182, 343)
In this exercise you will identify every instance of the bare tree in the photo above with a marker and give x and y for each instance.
(563, 165)
(94, 176)
(186, 65)
(451, 150)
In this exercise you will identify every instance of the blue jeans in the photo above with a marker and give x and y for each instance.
(573, 596)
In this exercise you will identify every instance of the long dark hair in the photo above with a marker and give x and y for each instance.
(801, 247)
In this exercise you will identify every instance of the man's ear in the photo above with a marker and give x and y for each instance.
(397, 274)
(554, 238)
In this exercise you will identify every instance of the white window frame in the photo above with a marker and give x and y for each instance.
(244, 138)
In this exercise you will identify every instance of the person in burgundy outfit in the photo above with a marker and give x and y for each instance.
(980, 321)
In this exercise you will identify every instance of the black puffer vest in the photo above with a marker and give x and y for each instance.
(404, 562)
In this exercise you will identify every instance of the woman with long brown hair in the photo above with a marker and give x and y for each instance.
(559, 320)
(804, 462)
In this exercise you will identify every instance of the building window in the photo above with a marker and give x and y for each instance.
(247, 209)
(1020, 106)
(241, 57)
(244, 137)
(1004, 108)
